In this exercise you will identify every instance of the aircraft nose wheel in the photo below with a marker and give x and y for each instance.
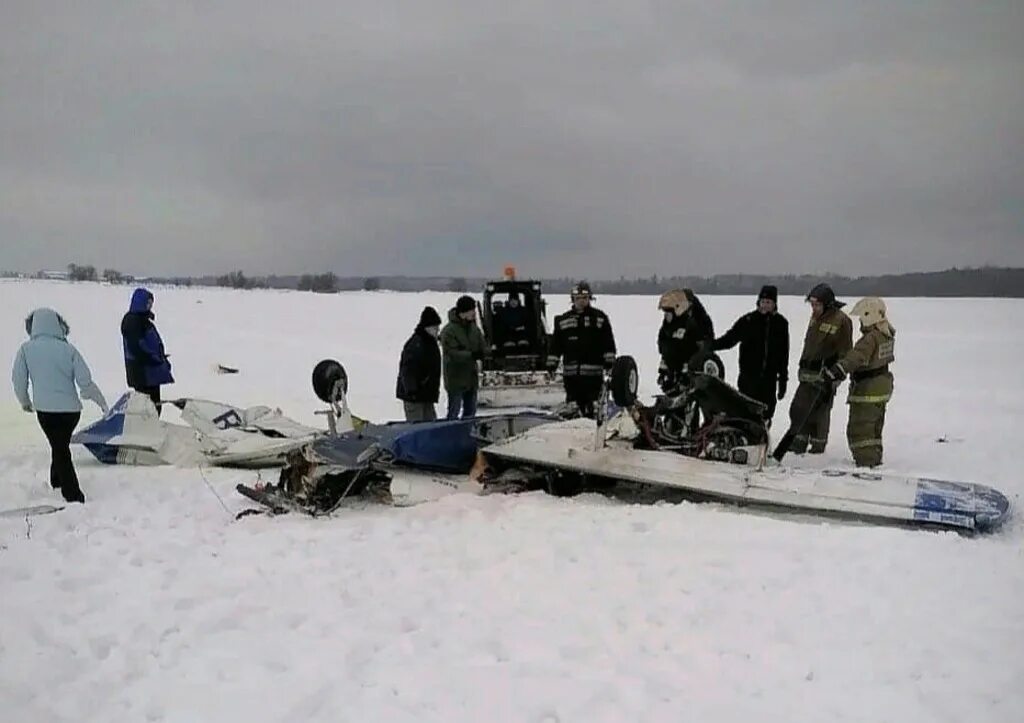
(330, 381)
(330, 384)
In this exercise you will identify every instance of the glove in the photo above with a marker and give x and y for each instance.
(664, 377)
(833, 374)
(27, 407)
(782, 389)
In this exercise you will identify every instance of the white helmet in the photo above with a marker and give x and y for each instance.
(675, 301)
(871, 311)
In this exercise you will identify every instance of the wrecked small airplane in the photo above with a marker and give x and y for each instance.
(214, 433)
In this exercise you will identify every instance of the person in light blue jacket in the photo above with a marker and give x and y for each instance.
(54, 366)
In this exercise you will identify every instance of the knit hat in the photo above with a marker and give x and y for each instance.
(429, 317)
(464, 304)
(769, 292)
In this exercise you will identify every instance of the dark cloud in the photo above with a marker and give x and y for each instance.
(574, 137)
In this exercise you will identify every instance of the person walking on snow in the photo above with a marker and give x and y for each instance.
(53, 366)
(871, 382)
(419, 371)
(146, 365)
(763, 336)
(829, 338)
(463, 345)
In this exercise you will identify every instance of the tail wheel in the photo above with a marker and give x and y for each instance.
(330, 381)
(625, 381)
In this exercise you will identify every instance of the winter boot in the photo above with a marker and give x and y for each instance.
(75, 495)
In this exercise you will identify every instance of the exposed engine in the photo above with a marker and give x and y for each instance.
(702, 417)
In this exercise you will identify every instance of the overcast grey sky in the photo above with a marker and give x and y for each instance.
(570, 137)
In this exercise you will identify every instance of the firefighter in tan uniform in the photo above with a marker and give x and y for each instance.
(871, 382)
(829, 338)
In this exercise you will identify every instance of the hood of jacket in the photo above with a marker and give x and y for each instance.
(827, 297)
(884, 327)
(47, 322)
(140, 301)
(676, 318)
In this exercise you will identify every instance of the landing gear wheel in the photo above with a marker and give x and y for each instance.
(625, 381)
(329, 381)
(710, 364)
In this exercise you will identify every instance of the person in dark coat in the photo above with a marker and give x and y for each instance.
(513, 320)
(763, 336)
(583, 339)
(829, 338)
(419, 371)
(146, 365)
(685, 326)
(463, 347)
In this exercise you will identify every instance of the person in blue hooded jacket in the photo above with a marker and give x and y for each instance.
(53, 366)
(146, 365)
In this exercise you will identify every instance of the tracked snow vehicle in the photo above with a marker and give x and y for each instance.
(518, 372)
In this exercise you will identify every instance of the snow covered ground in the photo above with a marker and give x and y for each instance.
(151, 603)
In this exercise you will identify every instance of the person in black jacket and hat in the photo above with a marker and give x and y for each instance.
(763, 336)
(583, 339)
(419, 371)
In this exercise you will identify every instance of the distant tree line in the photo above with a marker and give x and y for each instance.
(81, 273)
(967, 282)
(113, 276)
(238, 280)
(88, 273)
(1004, 282)
(320, 283)
(979, 282)
(234, 280)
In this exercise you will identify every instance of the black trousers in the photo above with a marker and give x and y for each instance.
(154, 394)
(58, 428)
(763, 389)
(585, 391)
